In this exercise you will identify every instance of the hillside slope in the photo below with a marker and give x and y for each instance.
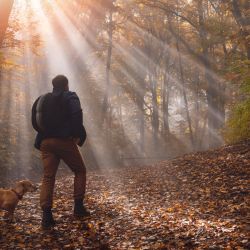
(198, 201)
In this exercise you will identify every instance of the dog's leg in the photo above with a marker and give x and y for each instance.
(9, 215)
(5, 215)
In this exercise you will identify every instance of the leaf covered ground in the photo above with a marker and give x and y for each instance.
(198, 201)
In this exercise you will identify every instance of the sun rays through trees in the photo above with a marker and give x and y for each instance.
(154, 77)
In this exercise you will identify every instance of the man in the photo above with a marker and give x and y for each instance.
(59, 132)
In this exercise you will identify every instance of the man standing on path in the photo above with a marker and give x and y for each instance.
(57, 117)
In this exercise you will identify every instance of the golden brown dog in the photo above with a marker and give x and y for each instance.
(10, 197)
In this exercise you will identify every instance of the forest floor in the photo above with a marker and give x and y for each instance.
(198, 201)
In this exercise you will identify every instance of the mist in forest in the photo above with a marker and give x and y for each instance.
(149, 79)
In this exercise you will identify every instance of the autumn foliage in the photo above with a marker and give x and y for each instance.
(199, 201)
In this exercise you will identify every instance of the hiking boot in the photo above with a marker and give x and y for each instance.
(47, 220)
(80, 210)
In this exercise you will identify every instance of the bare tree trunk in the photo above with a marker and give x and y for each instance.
(185, 96)
(141, 122)
(153, 89)
(202, 134)
(197, 111)
(106, 102)
(165, 105)
(155, 112)
(5, 9)
(183, 84)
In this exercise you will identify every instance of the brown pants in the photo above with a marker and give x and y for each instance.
(53, 150)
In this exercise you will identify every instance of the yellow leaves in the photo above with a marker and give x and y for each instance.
(141, 6)
(106, 194)
(175, 208)
(170, 210)
(194, 202)
(8, 64)
(21, 245)
(223, 190)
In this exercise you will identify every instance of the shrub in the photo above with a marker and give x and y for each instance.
(238, 124)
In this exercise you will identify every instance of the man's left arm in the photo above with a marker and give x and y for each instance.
(76, 116)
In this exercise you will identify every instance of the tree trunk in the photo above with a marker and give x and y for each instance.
(213, 91)
(155, 112)
(5, 9)
(165, 105)
(140, 101)
(185, 95)
(182, 81)
(106, 105)
(197, 111)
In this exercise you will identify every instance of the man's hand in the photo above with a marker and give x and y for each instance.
(77, 141)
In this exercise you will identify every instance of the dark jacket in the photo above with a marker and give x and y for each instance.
(73, 126)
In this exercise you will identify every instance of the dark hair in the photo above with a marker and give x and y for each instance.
(60, 82)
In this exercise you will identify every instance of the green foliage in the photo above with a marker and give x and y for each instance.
(239, 73)
(246, 87)
(238, 125)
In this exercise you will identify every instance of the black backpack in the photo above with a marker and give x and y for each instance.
(49, 112)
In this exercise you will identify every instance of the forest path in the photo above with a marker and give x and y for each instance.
(199, 201)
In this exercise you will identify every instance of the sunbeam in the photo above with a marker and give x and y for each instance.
(124, 124)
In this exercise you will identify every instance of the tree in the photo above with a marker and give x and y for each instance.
(5, 9)
(240, 10)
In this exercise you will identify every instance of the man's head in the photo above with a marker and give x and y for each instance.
(60, 82)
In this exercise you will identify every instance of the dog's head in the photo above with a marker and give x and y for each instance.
(26, 186)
